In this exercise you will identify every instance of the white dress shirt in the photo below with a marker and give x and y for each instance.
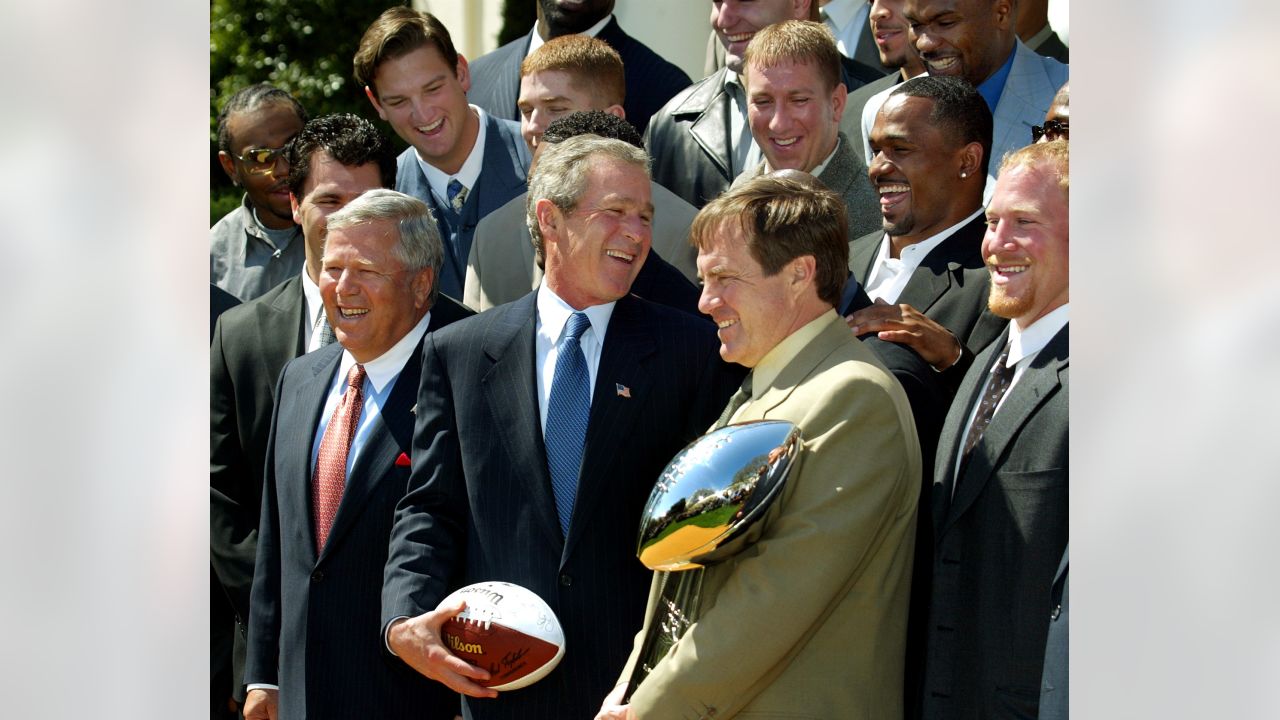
(890, 275)
(314, 306)
(553, 316)
(1024, 345)
(848, 22)
(536, 41)
(468, 174)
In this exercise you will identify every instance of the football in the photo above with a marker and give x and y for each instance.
(507, 630)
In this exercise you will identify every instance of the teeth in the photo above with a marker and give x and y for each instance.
(741, 37)
(722, 324)
(787, 142)
(431, 127)
(353, 312)
(884, 189)
(942, 63)
(620, 255)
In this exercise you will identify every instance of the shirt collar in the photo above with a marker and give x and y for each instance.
(536, 41)
(311, 294)
(1031, 340)
(817, 171)
(770, 366)
(387, 366)
(468, 174)
(842, 11)
(553, 314)
(993, 87)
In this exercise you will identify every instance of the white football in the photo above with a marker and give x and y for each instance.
(507, 630)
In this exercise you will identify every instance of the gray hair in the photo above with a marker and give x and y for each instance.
(419, 246)
(560, 174)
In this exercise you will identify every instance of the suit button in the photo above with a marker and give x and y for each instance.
(565, 579)
(1057, 610)
(317, 576)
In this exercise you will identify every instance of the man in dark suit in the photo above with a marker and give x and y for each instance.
(336, 467)
(332, 160)
(792, 78)
(889, 28)
(650, 79)
(542, 426)
(504, 265)
(461, 161)
(1001, 477)
(700, 140)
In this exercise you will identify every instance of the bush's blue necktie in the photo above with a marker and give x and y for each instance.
(567, 412)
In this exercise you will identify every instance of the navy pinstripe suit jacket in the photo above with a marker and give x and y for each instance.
(480, 505)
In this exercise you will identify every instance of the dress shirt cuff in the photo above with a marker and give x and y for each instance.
(260, 686)
(386, 635)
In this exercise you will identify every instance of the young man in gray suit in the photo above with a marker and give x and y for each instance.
(462, 162)
(542, 427)
(1001, 477)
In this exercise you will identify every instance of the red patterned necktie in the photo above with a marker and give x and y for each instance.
(331, 462)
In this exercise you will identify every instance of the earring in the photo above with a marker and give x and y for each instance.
(964, 174)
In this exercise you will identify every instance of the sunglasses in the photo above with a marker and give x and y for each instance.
(1053, 129)
(260, 161)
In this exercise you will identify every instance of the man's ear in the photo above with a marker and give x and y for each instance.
(971, 159)
(463, 73)
(228, 166)
(616, 111)
(839, 98)
(422, 284)
(549, 217)
(1003, 12)
(368, 92)
(293, 204)
(803, 270)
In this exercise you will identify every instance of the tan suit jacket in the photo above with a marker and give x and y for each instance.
(810, 620)
(501, 269)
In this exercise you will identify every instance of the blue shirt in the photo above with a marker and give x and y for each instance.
(993, 87)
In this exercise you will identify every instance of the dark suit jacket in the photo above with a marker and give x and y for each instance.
(220, 301)
(688, 138)
(480, 505)
(1054, 692)
(251, 344)
(651, 80)
(502, 177)
(315, 621)
(998, 542)
(853, 110)
(1052, 46)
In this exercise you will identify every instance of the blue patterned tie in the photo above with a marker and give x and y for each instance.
(567, 412)
(457, 195)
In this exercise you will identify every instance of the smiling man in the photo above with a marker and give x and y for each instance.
(461, 161)
(795, 102)
(977, 40)
(337, 466)
(701, 140)
(542, 424)
(824, 588)
(256, 246)
(1001, 479)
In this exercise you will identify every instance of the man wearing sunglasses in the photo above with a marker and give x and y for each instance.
(1057, 122)
(257, 246)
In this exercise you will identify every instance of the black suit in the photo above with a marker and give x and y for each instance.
(651, 80)
(999, 542)
(251, 344)
(480, 505)
(688, 139)
(314, 626)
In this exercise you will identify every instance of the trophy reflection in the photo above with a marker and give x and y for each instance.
(700, 511)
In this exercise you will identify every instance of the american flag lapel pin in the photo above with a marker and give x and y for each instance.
(623, 390)
(414, 410)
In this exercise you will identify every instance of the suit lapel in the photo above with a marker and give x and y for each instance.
(1016, 112)
(862, 252)
(835, 334)
(623, 361)
(310, 400)
(957, 417)
(510, 388)
(711, 128)
(944, 265)
(1032, 390)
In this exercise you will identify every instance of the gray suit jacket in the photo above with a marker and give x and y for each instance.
(1033, 81)
(502, 177)
(501, 267)
(998, 542)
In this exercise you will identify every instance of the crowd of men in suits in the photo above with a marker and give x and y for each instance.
(473, 361)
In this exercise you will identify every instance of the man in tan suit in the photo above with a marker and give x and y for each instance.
(810, 619)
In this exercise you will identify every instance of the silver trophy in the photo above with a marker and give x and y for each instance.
(700, 511)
